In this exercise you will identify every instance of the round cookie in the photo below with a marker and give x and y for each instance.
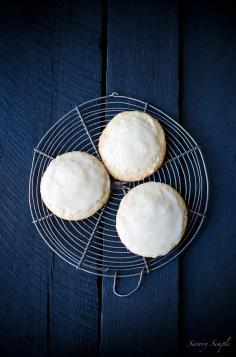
(75, 185)
(151, 219)
(132, 146)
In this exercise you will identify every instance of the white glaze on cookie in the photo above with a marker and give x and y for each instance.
(132, 146)
(151, 219)
(75, 185)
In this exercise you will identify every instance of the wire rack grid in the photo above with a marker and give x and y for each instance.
(93, 244)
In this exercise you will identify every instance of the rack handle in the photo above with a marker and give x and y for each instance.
(132, 291)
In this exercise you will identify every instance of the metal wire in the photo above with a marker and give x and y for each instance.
(93, 244)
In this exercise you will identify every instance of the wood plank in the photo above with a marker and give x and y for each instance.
(50, 61)
(25, 260)
(77, 77)
(143, 63)
(208, 111)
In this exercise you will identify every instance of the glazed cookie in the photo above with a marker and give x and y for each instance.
(75, 185)
(132, 146)
(151, 219)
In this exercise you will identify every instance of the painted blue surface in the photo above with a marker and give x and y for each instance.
(143, 63)
(50, 62)
(178, 56)
(208, 110)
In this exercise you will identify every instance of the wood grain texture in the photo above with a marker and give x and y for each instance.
(77, 77)
(52, 57)
(25, 260)
(50, 61)
(142, 62)
(208, 111)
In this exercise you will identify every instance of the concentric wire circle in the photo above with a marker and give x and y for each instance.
(93, 244)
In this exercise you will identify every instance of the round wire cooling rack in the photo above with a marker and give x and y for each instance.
(93, 244)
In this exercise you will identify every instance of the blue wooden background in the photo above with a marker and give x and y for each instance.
(177, 55)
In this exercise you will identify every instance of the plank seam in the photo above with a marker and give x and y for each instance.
(103, 93)
(180, 339)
